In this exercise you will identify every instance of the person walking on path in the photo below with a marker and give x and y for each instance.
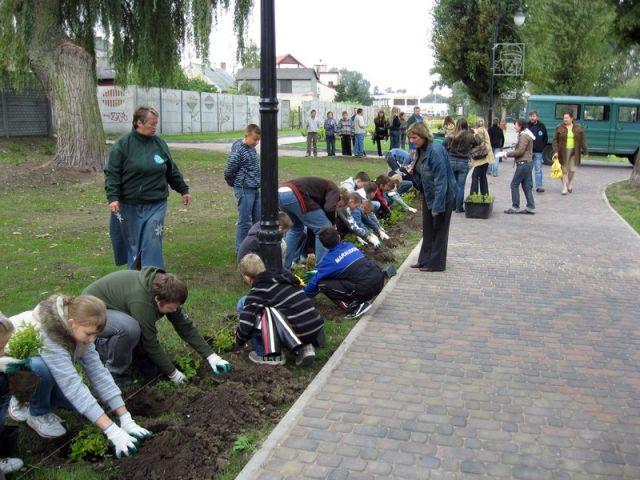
(459, 145)
(480, 165)
(433, 176)
(345, 130)
(538, 128)
(496, 134)
(137, 178)
(242, 172)
(360, 129)
(569, 143)
(403, 130)
(330, 127)
(310, 202)
(522, 159)
(381, 132)
(416, 117)
(312, 127)
(394, 128)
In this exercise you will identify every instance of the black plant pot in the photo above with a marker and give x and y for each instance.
(478, 210)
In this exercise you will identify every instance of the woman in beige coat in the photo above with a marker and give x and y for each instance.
(480, 165)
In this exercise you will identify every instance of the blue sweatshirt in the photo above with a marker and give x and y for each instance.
(334, 262)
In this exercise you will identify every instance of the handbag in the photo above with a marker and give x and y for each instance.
(556, 168)
(479, 152)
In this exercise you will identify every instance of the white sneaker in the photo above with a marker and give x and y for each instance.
(10, 465)
(270, 360)
(47, 425)
(18, 411)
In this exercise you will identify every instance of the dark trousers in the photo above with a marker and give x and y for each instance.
(523, 177)
(435, 238)
(378, 144)
(331, 145)
(479, 175)
(338, 289)
(345, 142)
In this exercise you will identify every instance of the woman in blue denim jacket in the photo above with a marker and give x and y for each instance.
(433, 176)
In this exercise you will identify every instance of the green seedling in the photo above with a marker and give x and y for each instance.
(187, 366)
(89, 445)
(243, 444)
(224, 340)
(479, 198)
(25, 343)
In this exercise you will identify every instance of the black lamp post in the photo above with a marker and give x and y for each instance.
(518, 20)
(269, 235)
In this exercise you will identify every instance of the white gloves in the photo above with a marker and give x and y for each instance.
(375, 241)
(361, 240)
(123, 443)
(178, 377)
(132, 428)
(413, 210)
(383, 234)
(218, 364)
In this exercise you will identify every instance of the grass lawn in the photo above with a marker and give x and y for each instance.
(54, 238)
(369, 145)
(626, 201)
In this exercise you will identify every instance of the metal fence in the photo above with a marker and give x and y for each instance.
(24, 114)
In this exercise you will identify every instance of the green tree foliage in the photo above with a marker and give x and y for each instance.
(572, 45)
(250, 57)
(462, 41)
(627, 21)
(353, 88)
(631, 88)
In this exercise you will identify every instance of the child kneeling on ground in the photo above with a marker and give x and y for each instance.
(69, 326)
(345, 275)
(283, 291)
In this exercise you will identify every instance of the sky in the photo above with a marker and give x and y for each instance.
(389, 42)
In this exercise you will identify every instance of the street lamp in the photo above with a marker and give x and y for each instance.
(518, 20)
(269, 234)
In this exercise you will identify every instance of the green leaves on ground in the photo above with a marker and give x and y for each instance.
(243, 444)
(187, 365)
(89, 444)
(480, 198)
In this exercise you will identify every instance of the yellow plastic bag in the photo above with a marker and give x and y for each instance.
(556, 168)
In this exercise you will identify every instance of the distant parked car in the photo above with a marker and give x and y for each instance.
(612, 125)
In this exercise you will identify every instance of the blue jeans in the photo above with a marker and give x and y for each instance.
(256, 340)
(296, 237)
(537, 164)
(47, 394)
(395, 139)
(359, 144)
(493, 168)
(405, 187)
(522, 176)
(248, 200)
(460, 170)
(142, 228)
(331, 146)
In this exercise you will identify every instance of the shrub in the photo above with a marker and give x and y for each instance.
(479, 198)
(224, 340)
(25, 343)
(89, 444)
(243, 444)
(187, 366)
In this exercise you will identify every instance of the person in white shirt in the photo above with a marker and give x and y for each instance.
(359, 128)
(312, 127)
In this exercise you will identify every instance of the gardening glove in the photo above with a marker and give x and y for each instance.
(375, 241)
(413, 210)
(178, 377)
(123, 443)
(132, 428)
(383, 235)
(361, 240)
(218, 364)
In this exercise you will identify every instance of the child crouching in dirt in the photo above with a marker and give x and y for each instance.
(345, 275)
(69, 326)
(282, 291)
(251, 243)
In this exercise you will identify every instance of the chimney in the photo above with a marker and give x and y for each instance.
(223, 65)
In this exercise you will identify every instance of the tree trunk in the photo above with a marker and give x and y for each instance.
(634, 181)
(66, 72)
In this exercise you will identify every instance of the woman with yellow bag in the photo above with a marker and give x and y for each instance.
(569, 142)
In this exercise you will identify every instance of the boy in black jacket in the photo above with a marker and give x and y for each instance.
(282, 291)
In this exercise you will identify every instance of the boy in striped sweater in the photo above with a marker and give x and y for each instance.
(283, 291)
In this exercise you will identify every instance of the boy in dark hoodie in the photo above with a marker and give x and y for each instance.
(345, 275)
(283, 291)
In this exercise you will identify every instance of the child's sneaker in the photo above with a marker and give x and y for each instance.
(18, 411)
(10, 465)
(270, 360)
(305, 355)
(47, 425)
(358, 310)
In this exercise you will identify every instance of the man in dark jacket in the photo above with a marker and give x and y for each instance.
(496, 136)
(310, 202)
(345, 275)
(283, 291)
(538, 128)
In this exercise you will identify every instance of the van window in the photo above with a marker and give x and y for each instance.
(595, 112)
(412, 101)
(628, 114)
(398, 101)
(563, 107)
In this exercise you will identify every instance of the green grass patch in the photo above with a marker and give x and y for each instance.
(626, 200)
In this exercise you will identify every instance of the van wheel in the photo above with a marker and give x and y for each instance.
(634, 157)
(547, 153)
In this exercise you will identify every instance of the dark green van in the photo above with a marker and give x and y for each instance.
(612, 125)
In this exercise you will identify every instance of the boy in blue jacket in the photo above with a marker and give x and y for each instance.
(345, 275)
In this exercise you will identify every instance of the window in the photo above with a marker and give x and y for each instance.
(597, 113)
(331, 83)
(412, 101)
(398, 101)
(285, 86)
(628, 114)
(563, 107)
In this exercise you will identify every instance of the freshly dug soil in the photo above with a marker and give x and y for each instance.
(22, 384)
(197, 444)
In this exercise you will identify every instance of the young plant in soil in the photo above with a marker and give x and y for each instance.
(224, 340)
(188, 366)
(89, 445)
(25, 343)
(243, 444)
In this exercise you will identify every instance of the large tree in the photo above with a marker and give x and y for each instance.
(250, 57)
(54, 39)
(462, 41)
(354, 88)
(627, 21)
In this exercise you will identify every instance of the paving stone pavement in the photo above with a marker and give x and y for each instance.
(521, 361)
